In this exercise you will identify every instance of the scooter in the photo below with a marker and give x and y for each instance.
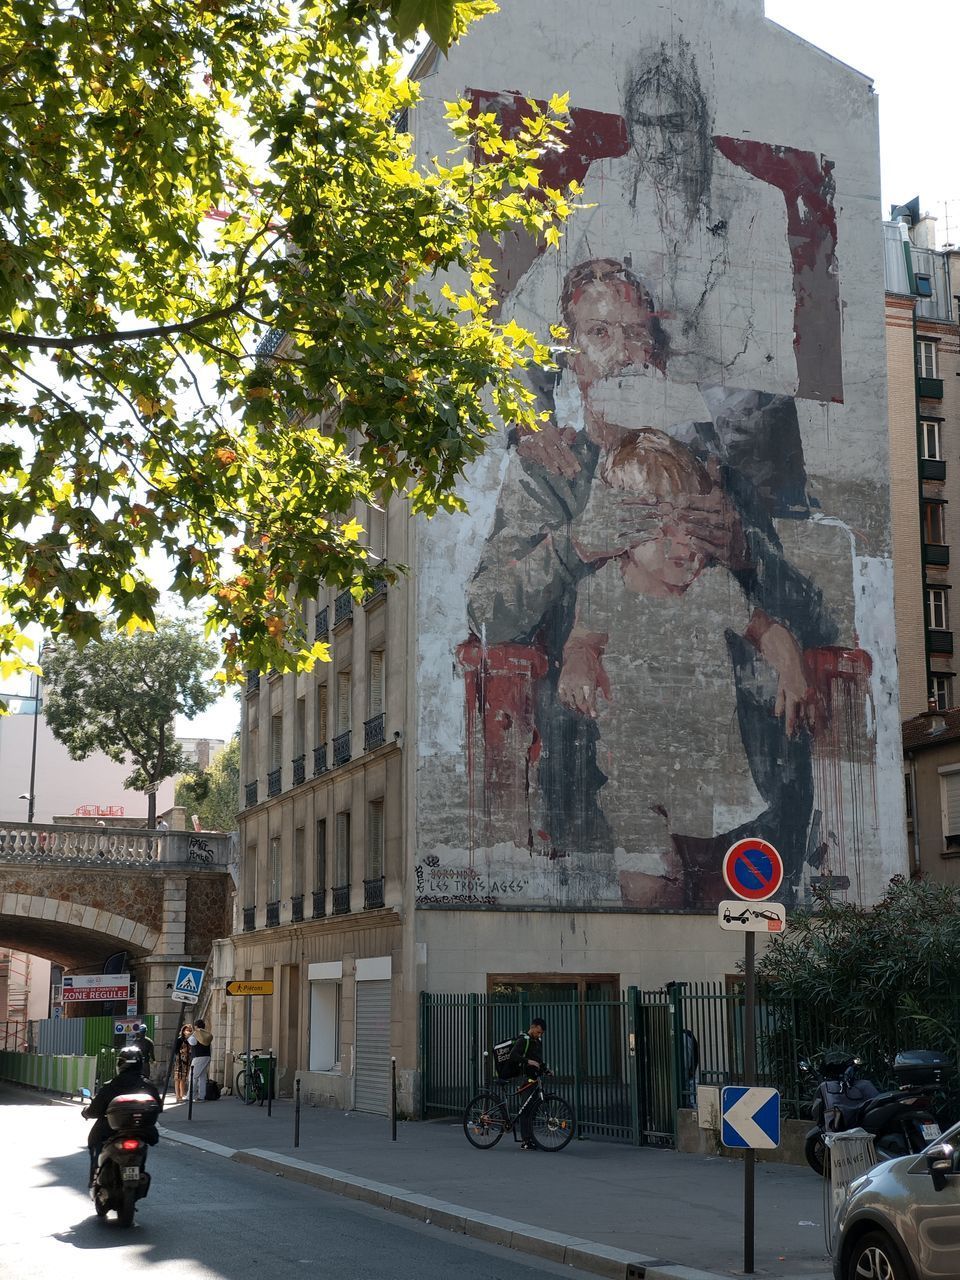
(121, 1177)
(901, 1120)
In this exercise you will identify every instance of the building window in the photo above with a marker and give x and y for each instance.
(941, 692)
(299, 846)
(375, 685)
(927, 359)
(937, 609)
(250, 876)
(343, 701)
(950, 809)
(324, 1026)
(923, 285)
(933, 526)
(274, 870)
(931, 441)
(276, 741)
(374, 865)
(300, 728)
(377, 532)
(320, 870)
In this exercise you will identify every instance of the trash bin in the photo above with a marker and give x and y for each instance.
(267, 1067)
(850, 1154)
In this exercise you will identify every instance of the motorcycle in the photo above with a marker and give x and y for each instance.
(121, 1178)
(901, 1120)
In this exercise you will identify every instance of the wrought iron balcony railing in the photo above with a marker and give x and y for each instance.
(373, 732)
(296, 908)
(250, 794)
(342, 608)
(321, 625)
(319, 760)
(319, 903)
(273, 782)
(273, 914)
(299, 769)
(341, 899)
(341, 748)
(249, 919)
(373, 894)
(253, 681)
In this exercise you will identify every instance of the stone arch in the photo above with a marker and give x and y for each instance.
(70, 933)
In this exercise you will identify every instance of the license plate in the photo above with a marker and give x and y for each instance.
(930, 1131)
(132, 1174)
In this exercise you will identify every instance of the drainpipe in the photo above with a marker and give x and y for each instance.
(916, 814)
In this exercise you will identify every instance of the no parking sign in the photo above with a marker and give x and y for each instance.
(753, 870)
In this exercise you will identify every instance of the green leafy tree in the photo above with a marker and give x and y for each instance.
(872, 980)
(213, 793)
(179, 183)
(120, 696)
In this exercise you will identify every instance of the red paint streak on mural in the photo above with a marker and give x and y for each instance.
(843, 755)
(807, 184)
(591, 135)
(500, 685)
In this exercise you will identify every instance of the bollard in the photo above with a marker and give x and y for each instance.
(190, 1103)
(296, 1116)
(393, 1099)
(270, 1084)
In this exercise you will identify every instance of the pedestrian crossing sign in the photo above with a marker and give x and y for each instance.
(189, 981)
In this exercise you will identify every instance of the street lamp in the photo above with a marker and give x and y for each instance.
(31, 795)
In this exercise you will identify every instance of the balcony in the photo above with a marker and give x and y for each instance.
(935, 553)
(373, 894)
(273, 782)
(250, 794)
(378, 592)
(930, 388)
(373, 732)
(249, 919)
(299, 769)
(341, 900)
(341, 748)
(57, 844)
(342, 608)
(319, 760)
(273, 914)
(296, 908)
(932, 469)
(321, 625)
(940, 641)
(253, 681)
(319, 903)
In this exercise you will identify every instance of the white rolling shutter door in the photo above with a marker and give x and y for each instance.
(372, 1055)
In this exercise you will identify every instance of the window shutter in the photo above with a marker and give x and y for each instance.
(274, 868)
(320, 866)
(376, 682)
(951, 803)
(298, 849)
(343, 701)
(374, 840)
(376, 532)
(276, 742)
(343, 849)
(322, 728)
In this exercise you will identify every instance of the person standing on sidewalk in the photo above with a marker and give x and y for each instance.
(145, 1045)
(527, 1051)
(200, 1042)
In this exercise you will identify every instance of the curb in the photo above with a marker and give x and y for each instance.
(573, 1251)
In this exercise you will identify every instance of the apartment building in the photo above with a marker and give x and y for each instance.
(523, 765)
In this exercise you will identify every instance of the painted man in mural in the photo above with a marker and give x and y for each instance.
(634, 550)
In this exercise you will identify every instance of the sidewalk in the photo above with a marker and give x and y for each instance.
(619, 1211)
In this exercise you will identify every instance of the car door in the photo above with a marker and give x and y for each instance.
(935, 1221)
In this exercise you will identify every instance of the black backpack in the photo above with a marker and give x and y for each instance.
(504, 1068)
(213, 1091)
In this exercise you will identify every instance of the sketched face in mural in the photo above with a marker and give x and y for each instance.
(669, 127)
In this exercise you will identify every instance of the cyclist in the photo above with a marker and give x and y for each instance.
(527, 1052)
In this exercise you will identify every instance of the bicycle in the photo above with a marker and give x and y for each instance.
(250, 1084)
(487, 1118)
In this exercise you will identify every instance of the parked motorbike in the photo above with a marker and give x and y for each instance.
(121, 1177)
(901, 1120)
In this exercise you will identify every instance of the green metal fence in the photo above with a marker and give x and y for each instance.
(53, 1072)
(613, 1058)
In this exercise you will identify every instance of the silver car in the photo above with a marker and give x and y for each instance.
(901, 1221)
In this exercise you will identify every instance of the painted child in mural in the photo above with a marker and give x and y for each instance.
(552, 537)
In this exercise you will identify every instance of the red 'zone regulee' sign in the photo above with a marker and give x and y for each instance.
(72, 994)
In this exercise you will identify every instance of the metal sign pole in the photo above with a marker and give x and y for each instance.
(750, 1072)
(248, 1069)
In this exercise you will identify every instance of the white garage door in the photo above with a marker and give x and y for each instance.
(372, 1074)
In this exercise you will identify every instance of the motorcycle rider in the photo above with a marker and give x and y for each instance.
(129, 1079)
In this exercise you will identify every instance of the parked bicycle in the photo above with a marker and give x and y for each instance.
(250, 1083)
(488, 1117)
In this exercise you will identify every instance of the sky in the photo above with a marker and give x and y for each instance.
(912, 56)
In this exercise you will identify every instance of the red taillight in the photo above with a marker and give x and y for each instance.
(130, 1144)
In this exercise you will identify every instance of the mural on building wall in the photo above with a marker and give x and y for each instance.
(660, 650)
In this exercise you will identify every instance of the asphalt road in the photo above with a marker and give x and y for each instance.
(206, 1219)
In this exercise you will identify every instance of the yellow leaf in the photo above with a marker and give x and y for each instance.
(352, 530)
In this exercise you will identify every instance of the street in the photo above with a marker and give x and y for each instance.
(207, 1219)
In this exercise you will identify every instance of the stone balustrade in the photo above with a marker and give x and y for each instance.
(62, 845)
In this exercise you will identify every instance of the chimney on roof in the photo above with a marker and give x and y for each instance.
(934, 717)
(924, 234)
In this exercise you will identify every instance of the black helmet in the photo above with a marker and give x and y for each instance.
(130, 1056)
